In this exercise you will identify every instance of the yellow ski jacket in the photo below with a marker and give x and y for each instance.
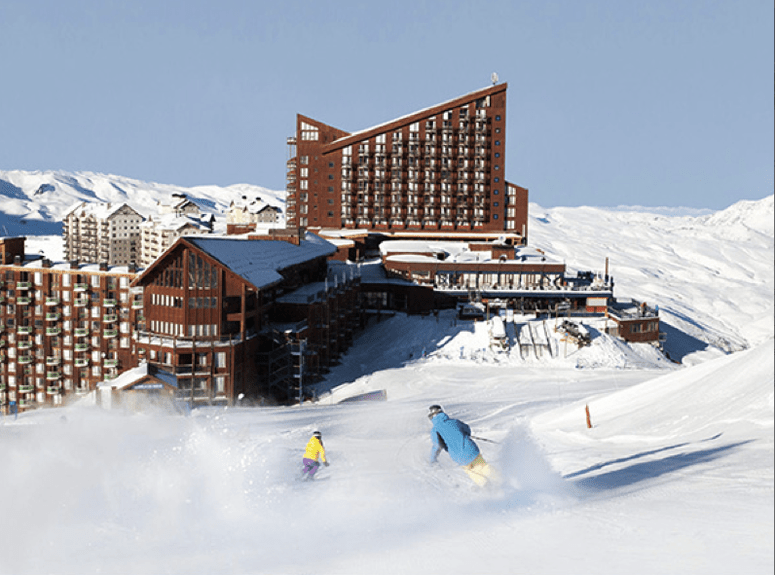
(315, 449)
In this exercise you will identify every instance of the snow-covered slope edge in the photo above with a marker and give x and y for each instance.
(731, 396)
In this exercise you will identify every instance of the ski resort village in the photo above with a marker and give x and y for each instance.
(167, 353)
(412, 216)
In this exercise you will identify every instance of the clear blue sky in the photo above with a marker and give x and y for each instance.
(610, 102)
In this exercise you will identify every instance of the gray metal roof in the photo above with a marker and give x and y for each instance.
(260, 261)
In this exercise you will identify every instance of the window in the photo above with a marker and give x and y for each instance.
(497, 118)
(497, 142)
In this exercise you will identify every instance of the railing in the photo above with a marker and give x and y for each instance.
(81, 332)
(23, 285)
(81, 287)
(24, 329)
(81, 361)
(23, 300)
(52, 301)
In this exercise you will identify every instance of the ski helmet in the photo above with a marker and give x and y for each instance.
(317, 434)
(433, 410)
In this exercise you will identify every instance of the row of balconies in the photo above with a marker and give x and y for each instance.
(52, 361)
(430, 170)
(445, 148)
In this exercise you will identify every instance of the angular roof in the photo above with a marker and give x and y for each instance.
(414, 116)
(174, 222)
(100, 210)
(260, 261)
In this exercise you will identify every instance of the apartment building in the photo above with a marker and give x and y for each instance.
(64, 327)
(244, 215)
(438, 172)
(158, 233)
(102, 232)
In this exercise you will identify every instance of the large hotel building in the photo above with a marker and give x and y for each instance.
(437, 172)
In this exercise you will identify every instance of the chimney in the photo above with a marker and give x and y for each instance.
(132, 267)
(46, 263)
(17, 260)
(73, 264)
(103, 266)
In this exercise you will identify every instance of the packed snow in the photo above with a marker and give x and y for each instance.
(674, 476)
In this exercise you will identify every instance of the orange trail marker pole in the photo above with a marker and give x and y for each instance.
(589, 419)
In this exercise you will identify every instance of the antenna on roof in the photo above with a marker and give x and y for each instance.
(494, 78)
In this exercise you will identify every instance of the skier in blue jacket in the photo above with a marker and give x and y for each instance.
(454, 437)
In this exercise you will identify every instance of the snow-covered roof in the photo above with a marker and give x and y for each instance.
(34, 261)
(100, 210)
(175, 222)
(126, 379)
(255, 206)
(132, 376)
(260, 261)
(411, 258)
(409, 246)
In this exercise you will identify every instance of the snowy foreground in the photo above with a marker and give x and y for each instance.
(676, 475)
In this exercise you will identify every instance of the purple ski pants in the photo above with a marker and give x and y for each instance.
(310, 468)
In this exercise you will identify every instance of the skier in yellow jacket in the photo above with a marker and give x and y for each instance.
(312, 453)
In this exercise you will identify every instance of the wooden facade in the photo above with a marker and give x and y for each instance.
(440, 170)
(213, 317)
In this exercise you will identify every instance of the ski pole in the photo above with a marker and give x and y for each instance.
(483, 439)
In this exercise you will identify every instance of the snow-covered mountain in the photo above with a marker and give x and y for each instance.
(33, 203)
(693, 267)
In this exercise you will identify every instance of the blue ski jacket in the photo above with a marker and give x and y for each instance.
(453, 436)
